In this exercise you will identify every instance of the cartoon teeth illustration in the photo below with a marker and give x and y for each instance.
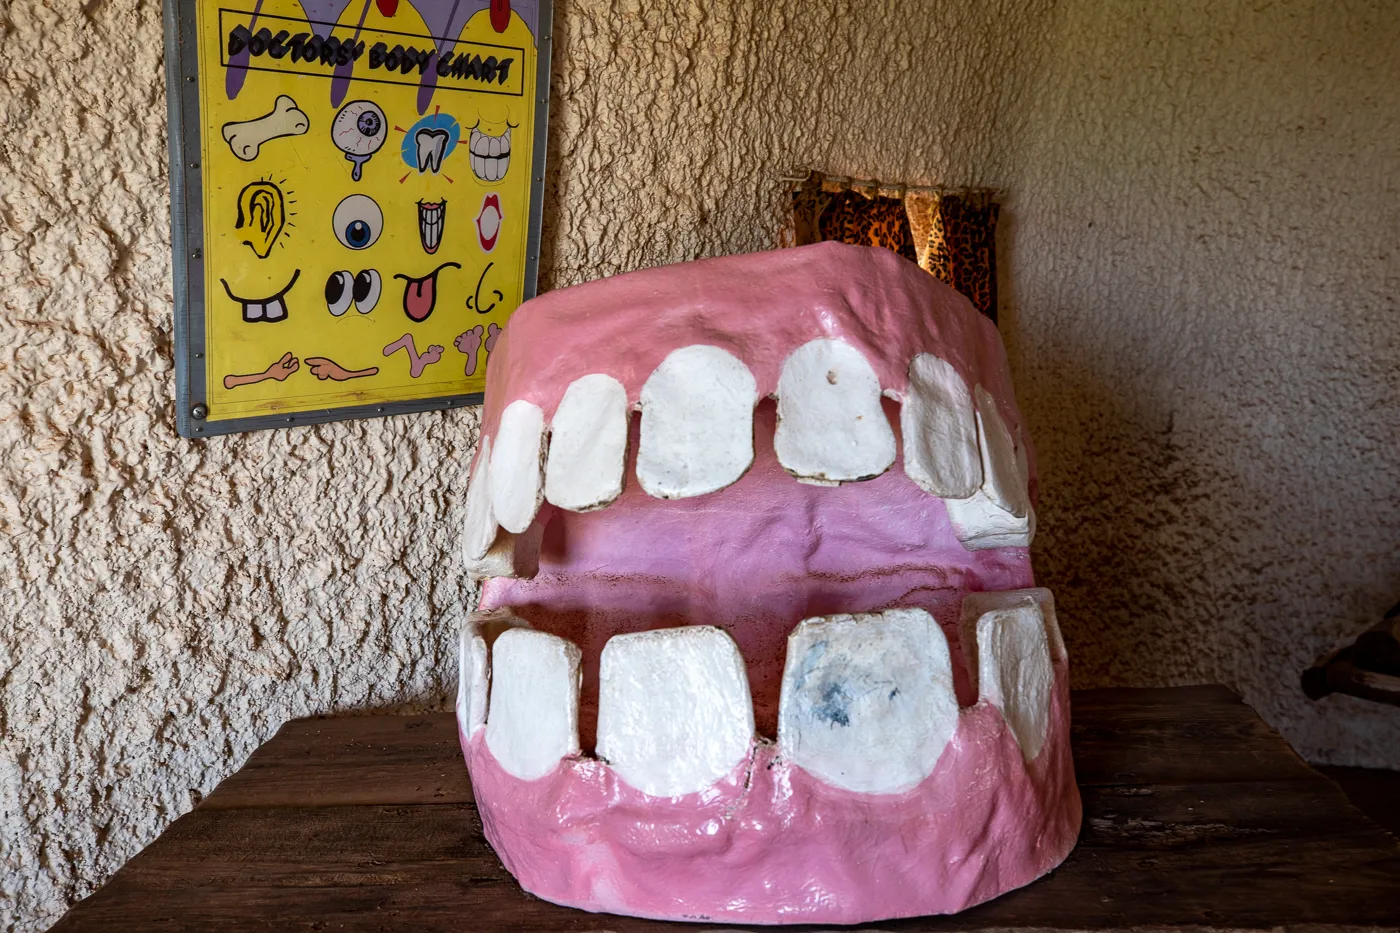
(490, 155)
(359, 131)
(431, 217)
(269, 310)
(429, 141)
(793, 650)
(488, 222)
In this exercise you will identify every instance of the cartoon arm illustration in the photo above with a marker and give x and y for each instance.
(279, 370)
(324, 369)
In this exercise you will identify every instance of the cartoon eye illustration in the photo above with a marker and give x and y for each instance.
(338, 293)
(366, 290)
(358, 131)
(358, 221)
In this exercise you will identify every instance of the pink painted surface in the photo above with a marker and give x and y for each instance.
(789, 848)
(771, 843)
(754, 559)
(759, 307)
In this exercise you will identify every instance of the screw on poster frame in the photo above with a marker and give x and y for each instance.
(356, 192)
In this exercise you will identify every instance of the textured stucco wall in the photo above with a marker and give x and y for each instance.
(1199, 300)
(164, 605)
(1202, 282)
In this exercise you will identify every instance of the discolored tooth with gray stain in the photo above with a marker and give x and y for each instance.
(588, 444)
(867, 700)
(697, 423)
(999, 514)
(939, 425)
(830, 423)
(515, 466)
(674, 711)
(1014, 671)
(532, 719)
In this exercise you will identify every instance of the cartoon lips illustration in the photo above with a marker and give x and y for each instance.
(431, 216)
(759, 640)
(420, 294)
(488, 222)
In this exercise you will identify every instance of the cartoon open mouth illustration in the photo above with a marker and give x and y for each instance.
(759, 639)
(490, 155)
(420, 294)
(488, 222)
(431, 216)
(264, 310)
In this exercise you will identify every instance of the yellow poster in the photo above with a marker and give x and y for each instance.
(366, 191)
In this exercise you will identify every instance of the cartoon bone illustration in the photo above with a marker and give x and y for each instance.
(247, 138)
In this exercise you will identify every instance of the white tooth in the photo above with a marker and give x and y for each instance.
(1014, 672)
(587, 444)
(471, 681)
(505, 146)
(1001, 476)
(275, 310)
(532, 721)
(472, 142)
(493, 146)
(253, 311)
(867, 700)
(976, 605)
(999, 514)
(430, 148)
(515, 465)
(674, 712)
(516, 556)
(940, 430)
(490, 166)
(479, 166)
(479, 526)
(830, 423)
(697, 423)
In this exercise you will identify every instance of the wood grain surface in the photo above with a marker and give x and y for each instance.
(1196, 817)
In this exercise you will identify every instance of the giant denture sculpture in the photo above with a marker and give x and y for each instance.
(792, 599)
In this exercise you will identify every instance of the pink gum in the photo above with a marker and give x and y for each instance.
(771, 844)
(759, 307)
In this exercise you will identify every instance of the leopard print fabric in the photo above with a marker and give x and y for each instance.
(960, 248)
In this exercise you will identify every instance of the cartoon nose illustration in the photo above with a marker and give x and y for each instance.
(432, 143)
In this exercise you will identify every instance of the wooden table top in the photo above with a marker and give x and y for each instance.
(1197, 816)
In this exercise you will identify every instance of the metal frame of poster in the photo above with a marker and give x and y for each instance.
(356, 194)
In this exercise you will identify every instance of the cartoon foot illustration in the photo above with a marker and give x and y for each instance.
(279, 370)
(324, 369)
(469, 343)
(417, 362)
(492, 332)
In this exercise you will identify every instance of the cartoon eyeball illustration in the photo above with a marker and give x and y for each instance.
(366, 290)
(358, 131)
(363, 290)
(358, 221)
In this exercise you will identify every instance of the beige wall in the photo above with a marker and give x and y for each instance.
(1215, 409)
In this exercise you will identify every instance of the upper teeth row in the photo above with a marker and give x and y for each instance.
(867, 700)
(488, 146)
(697, 437)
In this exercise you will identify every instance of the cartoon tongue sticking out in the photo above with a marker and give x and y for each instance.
(420, 294)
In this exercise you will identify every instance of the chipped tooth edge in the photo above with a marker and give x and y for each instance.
(554, 468)
(527, 419)
(729, 691)
(510, 555)
(786, 447)
(997, 450)
(473, 680)
(1026, 709)
(510, 726)
(975, 605)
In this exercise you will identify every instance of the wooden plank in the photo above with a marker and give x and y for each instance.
(349, 760)
(1175, 735)
(1197, 817)
(1282, 854)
